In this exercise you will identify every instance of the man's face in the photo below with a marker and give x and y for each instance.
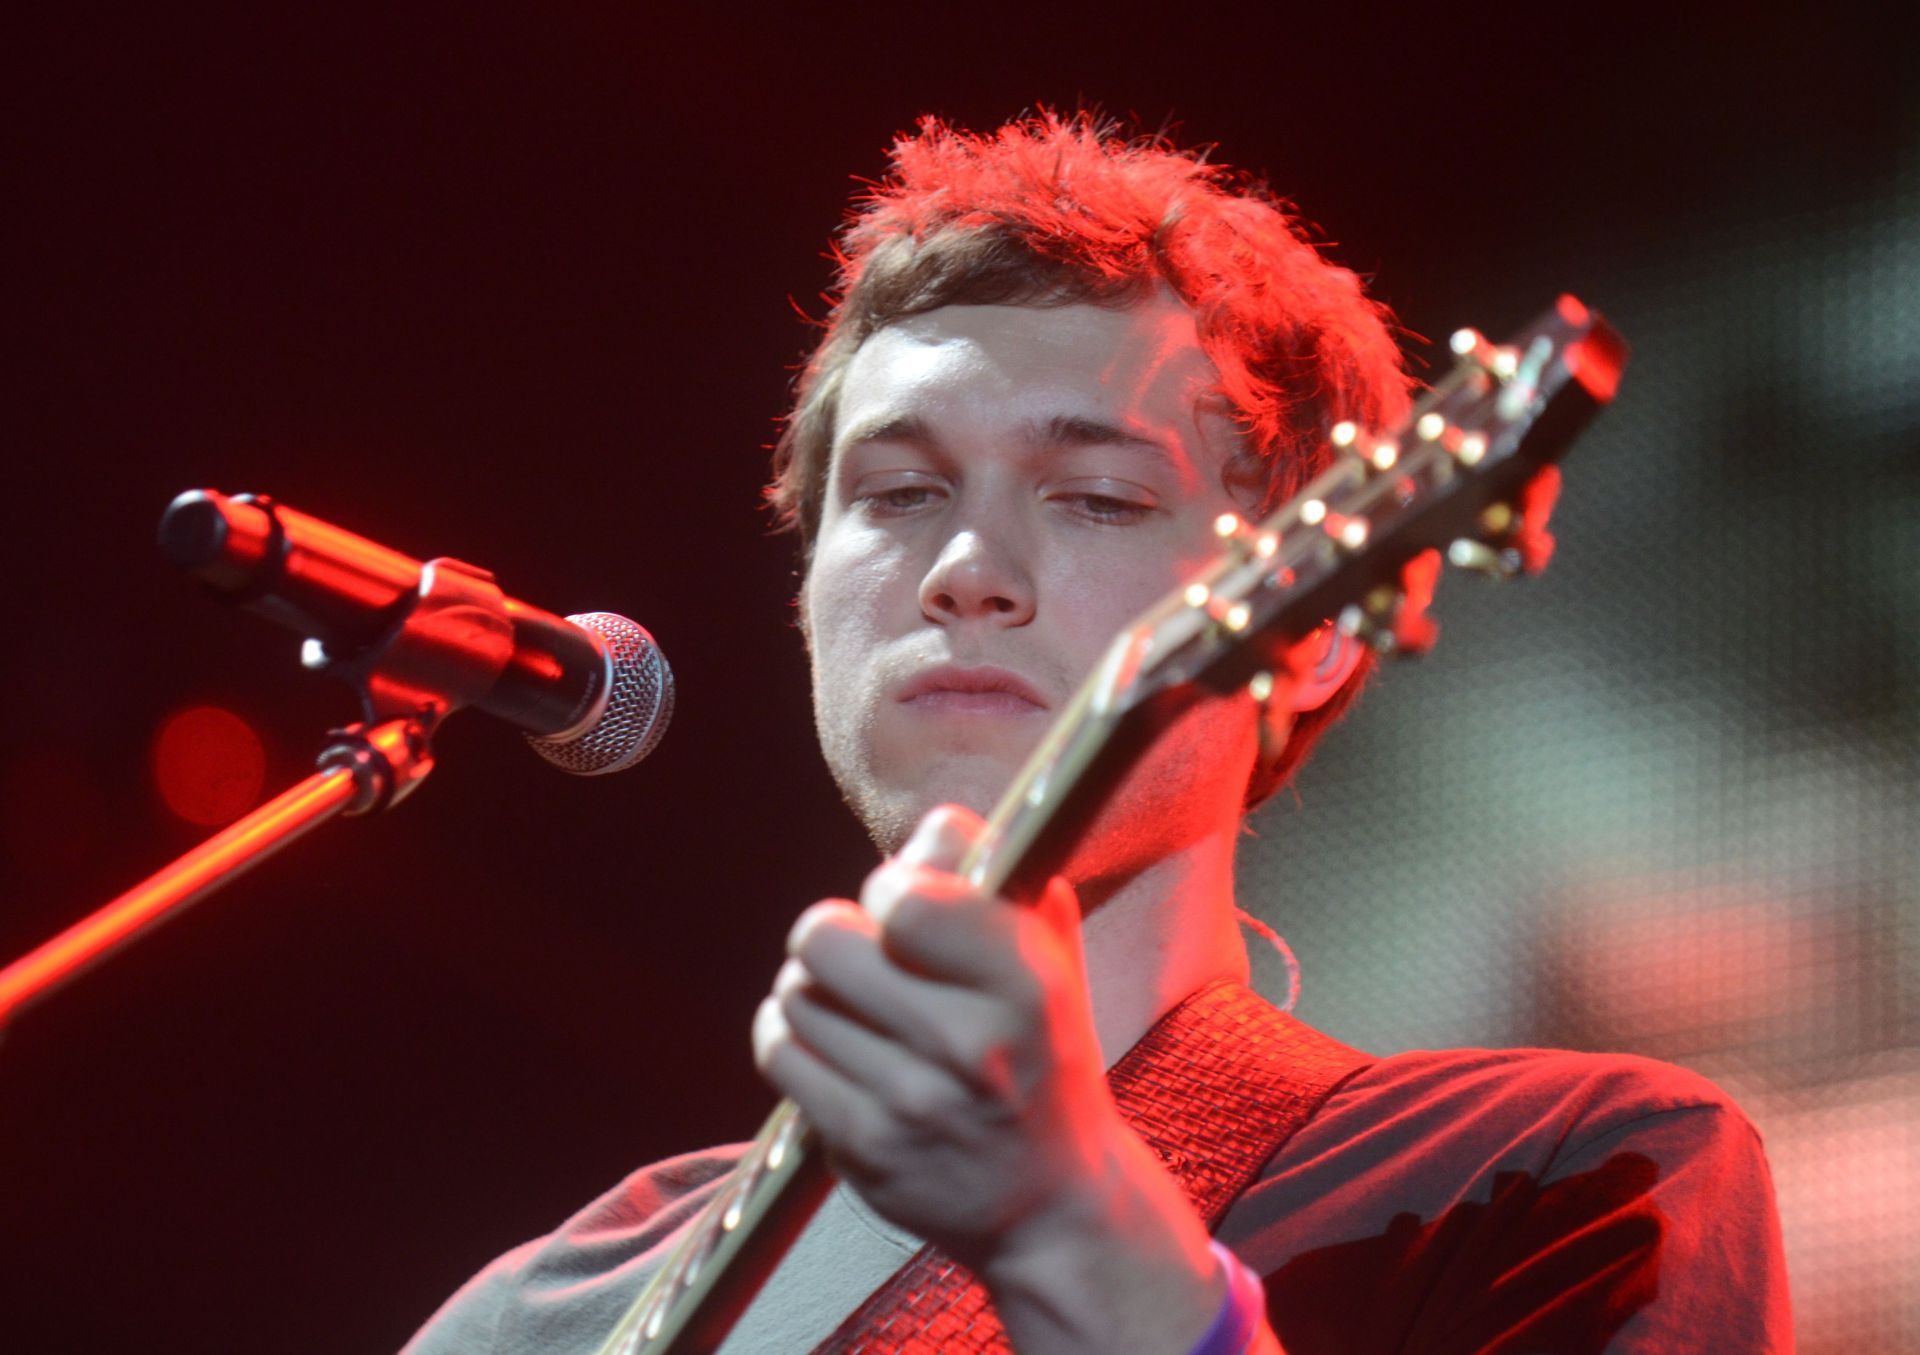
(1009, 487)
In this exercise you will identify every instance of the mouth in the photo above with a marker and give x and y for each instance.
(953, 690)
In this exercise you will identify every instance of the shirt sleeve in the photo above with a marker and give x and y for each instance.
(1661, 1232)
(566, 1291)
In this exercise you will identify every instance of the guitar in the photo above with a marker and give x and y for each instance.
(1471, 472)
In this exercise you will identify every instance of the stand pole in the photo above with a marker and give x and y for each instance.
(356, 774)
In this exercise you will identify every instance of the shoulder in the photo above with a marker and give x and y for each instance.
(1552, 1096)
(1429, 1130)
(1451, 1186)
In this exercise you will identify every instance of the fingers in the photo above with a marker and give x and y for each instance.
(927, 920)
(1059, 909)
(838, 966)
(936, 925)
(867, 1095)
(914, 1090)
(930, 969)
(836, 1105)
(933, 922)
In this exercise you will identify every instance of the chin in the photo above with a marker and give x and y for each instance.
(891, 810)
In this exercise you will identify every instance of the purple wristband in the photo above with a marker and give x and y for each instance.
(1241, 1311)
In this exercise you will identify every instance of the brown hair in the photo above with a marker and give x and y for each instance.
(1055, 210)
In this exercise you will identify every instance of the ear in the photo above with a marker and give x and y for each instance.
(1320, 666)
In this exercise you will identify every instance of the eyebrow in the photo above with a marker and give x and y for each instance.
(1061, 430)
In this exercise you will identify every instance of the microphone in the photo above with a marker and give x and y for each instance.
(592, 691)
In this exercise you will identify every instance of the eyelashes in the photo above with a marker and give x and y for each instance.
(1100, 506)
(1107, 508)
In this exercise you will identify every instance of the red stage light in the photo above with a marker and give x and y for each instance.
(209, 765)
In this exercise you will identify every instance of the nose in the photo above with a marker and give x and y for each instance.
(978, 576)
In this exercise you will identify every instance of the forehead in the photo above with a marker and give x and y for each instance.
(1140, 367)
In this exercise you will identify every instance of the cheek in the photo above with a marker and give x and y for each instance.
(844, 599)
(1098, 593)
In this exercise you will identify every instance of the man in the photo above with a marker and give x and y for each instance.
(1055, 360)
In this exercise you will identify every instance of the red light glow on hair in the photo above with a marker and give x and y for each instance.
(1058, 209)
(209, 765)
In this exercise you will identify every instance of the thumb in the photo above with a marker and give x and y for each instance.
(1059, 907)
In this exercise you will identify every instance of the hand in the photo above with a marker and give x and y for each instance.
(942, 1043)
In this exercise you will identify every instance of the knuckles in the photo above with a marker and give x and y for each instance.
(919, 1099)
(896, 893)
(985, 1058)
(919, 908)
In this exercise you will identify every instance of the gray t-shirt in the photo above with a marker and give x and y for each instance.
(1459, 1200)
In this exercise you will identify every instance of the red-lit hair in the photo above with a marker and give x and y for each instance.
(1056, 210)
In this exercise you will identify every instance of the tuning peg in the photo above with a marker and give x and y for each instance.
(1496, 360)
(1529, 534)
(1354, 620)
(1377, 454)
(1414, 632)
(1480, 558)
(1394, 620)
(1234, 530)
(1349, 530)
(1411, 633)
(1517, 540)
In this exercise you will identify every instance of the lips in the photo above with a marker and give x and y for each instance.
(980, 690)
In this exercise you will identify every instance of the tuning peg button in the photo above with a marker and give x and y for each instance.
(1407, 632)
(1354, 620)
(1481, 558)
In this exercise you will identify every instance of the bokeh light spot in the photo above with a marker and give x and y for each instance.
(209, 764)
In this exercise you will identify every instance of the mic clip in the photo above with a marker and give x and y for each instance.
(445, 650)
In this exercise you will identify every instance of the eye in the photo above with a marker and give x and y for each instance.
(1106, 505)
(897, 498)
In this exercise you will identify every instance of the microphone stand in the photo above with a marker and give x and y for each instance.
(365, 768)
(445, 647)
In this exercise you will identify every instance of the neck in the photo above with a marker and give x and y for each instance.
(1159, 934)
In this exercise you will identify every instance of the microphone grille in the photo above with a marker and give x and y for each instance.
(639, 702)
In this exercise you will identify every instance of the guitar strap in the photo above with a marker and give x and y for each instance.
(1215, 1088)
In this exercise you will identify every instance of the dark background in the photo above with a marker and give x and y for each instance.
(520, 286)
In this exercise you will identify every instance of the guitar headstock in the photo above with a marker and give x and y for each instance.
(1469, 477)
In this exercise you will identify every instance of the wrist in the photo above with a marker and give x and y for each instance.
(1120, 1263)
(1120, 1200)
(1243, 1309)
